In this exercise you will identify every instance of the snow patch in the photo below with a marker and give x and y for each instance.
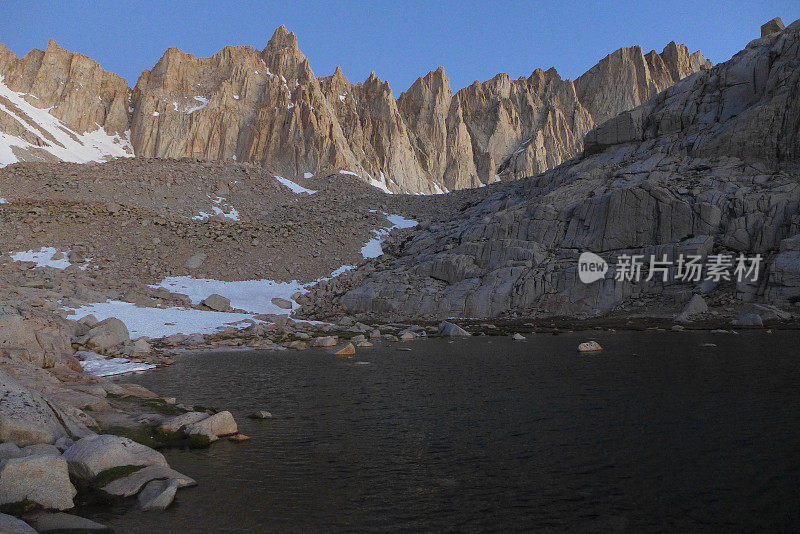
(293, 186)
(161, 322)
(44, 258)
(113, 366)
(56, 138)
(373, 249)
(221, 208)
(306, 175)
(253, 296)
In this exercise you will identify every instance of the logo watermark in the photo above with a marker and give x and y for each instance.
(684, 268)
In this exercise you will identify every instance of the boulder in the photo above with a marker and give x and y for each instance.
(239, 438)
(141, 346)
(158, 494)
(260, 415)
(220, 424)
(518, 337)
(364, 345)
(448, 329)
(11, 525)
(589, 346)
(41, 480)
(217, 303)
(108, 333)
(131, 484)
(696, 306)
(90, 456)
(282, 303)
(41, 339)
(348, 351)
(179, 421)
(26, 418)
(408, 336)
(61, 522)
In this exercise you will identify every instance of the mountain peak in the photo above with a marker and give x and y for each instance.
(282, 38)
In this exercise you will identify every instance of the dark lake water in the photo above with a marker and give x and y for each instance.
(656, 433)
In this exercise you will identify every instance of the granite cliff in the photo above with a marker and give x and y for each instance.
(267, 107)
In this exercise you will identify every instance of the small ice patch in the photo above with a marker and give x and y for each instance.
(293, 186)
(373, 249)
(44, 258)
(203, 103)
(156, 114)
(229, 212)
(306, 175)
(113, 366)
(4, 201)
(351, 173)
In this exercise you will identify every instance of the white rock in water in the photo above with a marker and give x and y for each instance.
(131, 484)
(220, 424)
(448, 329)
(589, 346)
(518, 337)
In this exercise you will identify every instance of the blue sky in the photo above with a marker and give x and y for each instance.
(400, 41)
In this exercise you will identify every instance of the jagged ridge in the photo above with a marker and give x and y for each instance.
(268, 107)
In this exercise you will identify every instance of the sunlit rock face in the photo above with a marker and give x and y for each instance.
(267, 107)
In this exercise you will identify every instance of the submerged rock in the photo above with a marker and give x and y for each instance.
(260, 415)
(60, 522)
(158, 494)
(347, 351)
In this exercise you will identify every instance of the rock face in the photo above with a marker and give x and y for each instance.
(707, 166)
(41, 480)
(267, 107)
